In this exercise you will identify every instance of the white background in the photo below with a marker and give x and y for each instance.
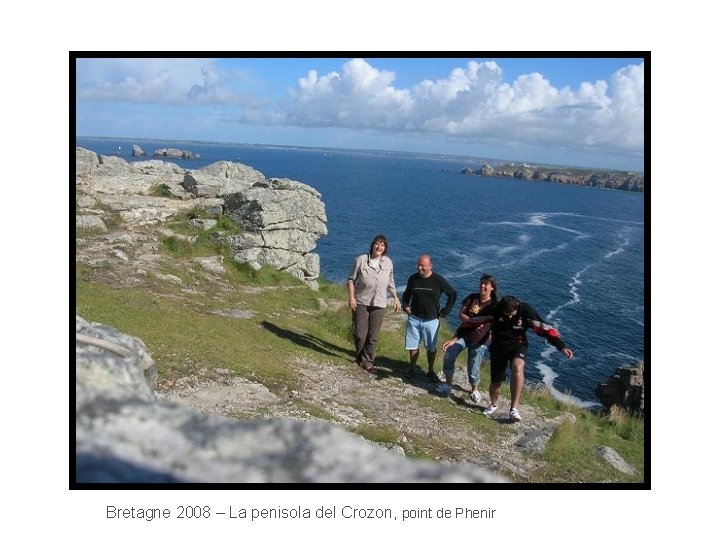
(681, 226)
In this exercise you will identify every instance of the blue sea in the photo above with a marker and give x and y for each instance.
(576, 254)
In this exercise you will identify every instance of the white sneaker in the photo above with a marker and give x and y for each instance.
(443, 389)
(514, 415)
(490, 409)
(475, 397)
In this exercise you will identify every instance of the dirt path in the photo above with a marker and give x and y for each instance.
(347, 396)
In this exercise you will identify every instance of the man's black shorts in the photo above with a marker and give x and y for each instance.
(499, 360)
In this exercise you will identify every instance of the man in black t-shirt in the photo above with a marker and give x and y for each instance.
(421, 301)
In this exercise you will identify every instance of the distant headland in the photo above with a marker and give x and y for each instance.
(620, 180)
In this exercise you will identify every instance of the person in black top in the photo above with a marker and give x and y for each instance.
(421, 301)
(511, 319)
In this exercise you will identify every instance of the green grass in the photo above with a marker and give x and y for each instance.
(162, 190)
(243, 273)
(314, 410)
(380, 434)
(182, 338)
(572, 456)
(194, 242)
(201, 245)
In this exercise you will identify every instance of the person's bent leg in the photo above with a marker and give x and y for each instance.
(517, 381)
(432, 329)
(429, 338)
(498, 365)
(475, 355)
(412, 339)
(449, 359)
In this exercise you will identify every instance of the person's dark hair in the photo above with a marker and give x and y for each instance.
(508, 304)
(491, 280)
(382, 239)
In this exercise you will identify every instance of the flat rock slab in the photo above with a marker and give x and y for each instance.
(616, 460)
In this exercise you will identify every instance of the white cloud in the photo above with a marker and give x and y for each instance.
(474, 103)
(163, 81)
(360, 97)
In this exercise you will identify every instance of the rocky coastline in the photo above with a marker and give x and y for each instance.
(620, 180)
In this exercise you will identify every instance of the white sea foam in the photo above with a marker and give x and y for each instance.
(624, 236)
(537, 220)
(540, 219)
(596, 218)
(574, 284)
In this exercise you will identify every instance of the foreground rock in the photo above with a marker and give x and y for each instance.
(125, 434)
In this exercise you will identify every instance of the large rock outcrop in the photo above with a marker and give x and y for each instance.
(281, 219)
(124, 433)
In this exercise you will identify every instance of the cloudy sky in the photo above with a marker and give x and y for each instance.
(571, 111)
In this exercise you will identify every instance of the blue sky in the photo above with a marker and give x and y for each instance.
(570, 111)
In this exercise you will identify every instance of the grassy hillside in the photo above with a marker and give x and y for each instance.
(297, 343)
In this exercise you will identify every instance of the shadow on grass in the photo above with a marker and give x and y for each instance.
(309, 342)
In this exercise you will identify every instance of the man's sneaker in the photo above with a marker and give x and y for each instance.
(490, 409)
(443, 389)
(475, 397)
(432, 377)
(514, 415)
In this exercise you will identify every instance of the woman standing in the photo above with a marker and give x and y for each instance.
(475, 341)
(370, 279)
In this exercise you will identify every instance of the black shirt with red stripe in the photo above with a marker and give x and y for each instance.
(507, 331)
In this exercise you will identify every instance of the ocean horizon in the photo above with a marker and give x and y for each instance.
(475, 160)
